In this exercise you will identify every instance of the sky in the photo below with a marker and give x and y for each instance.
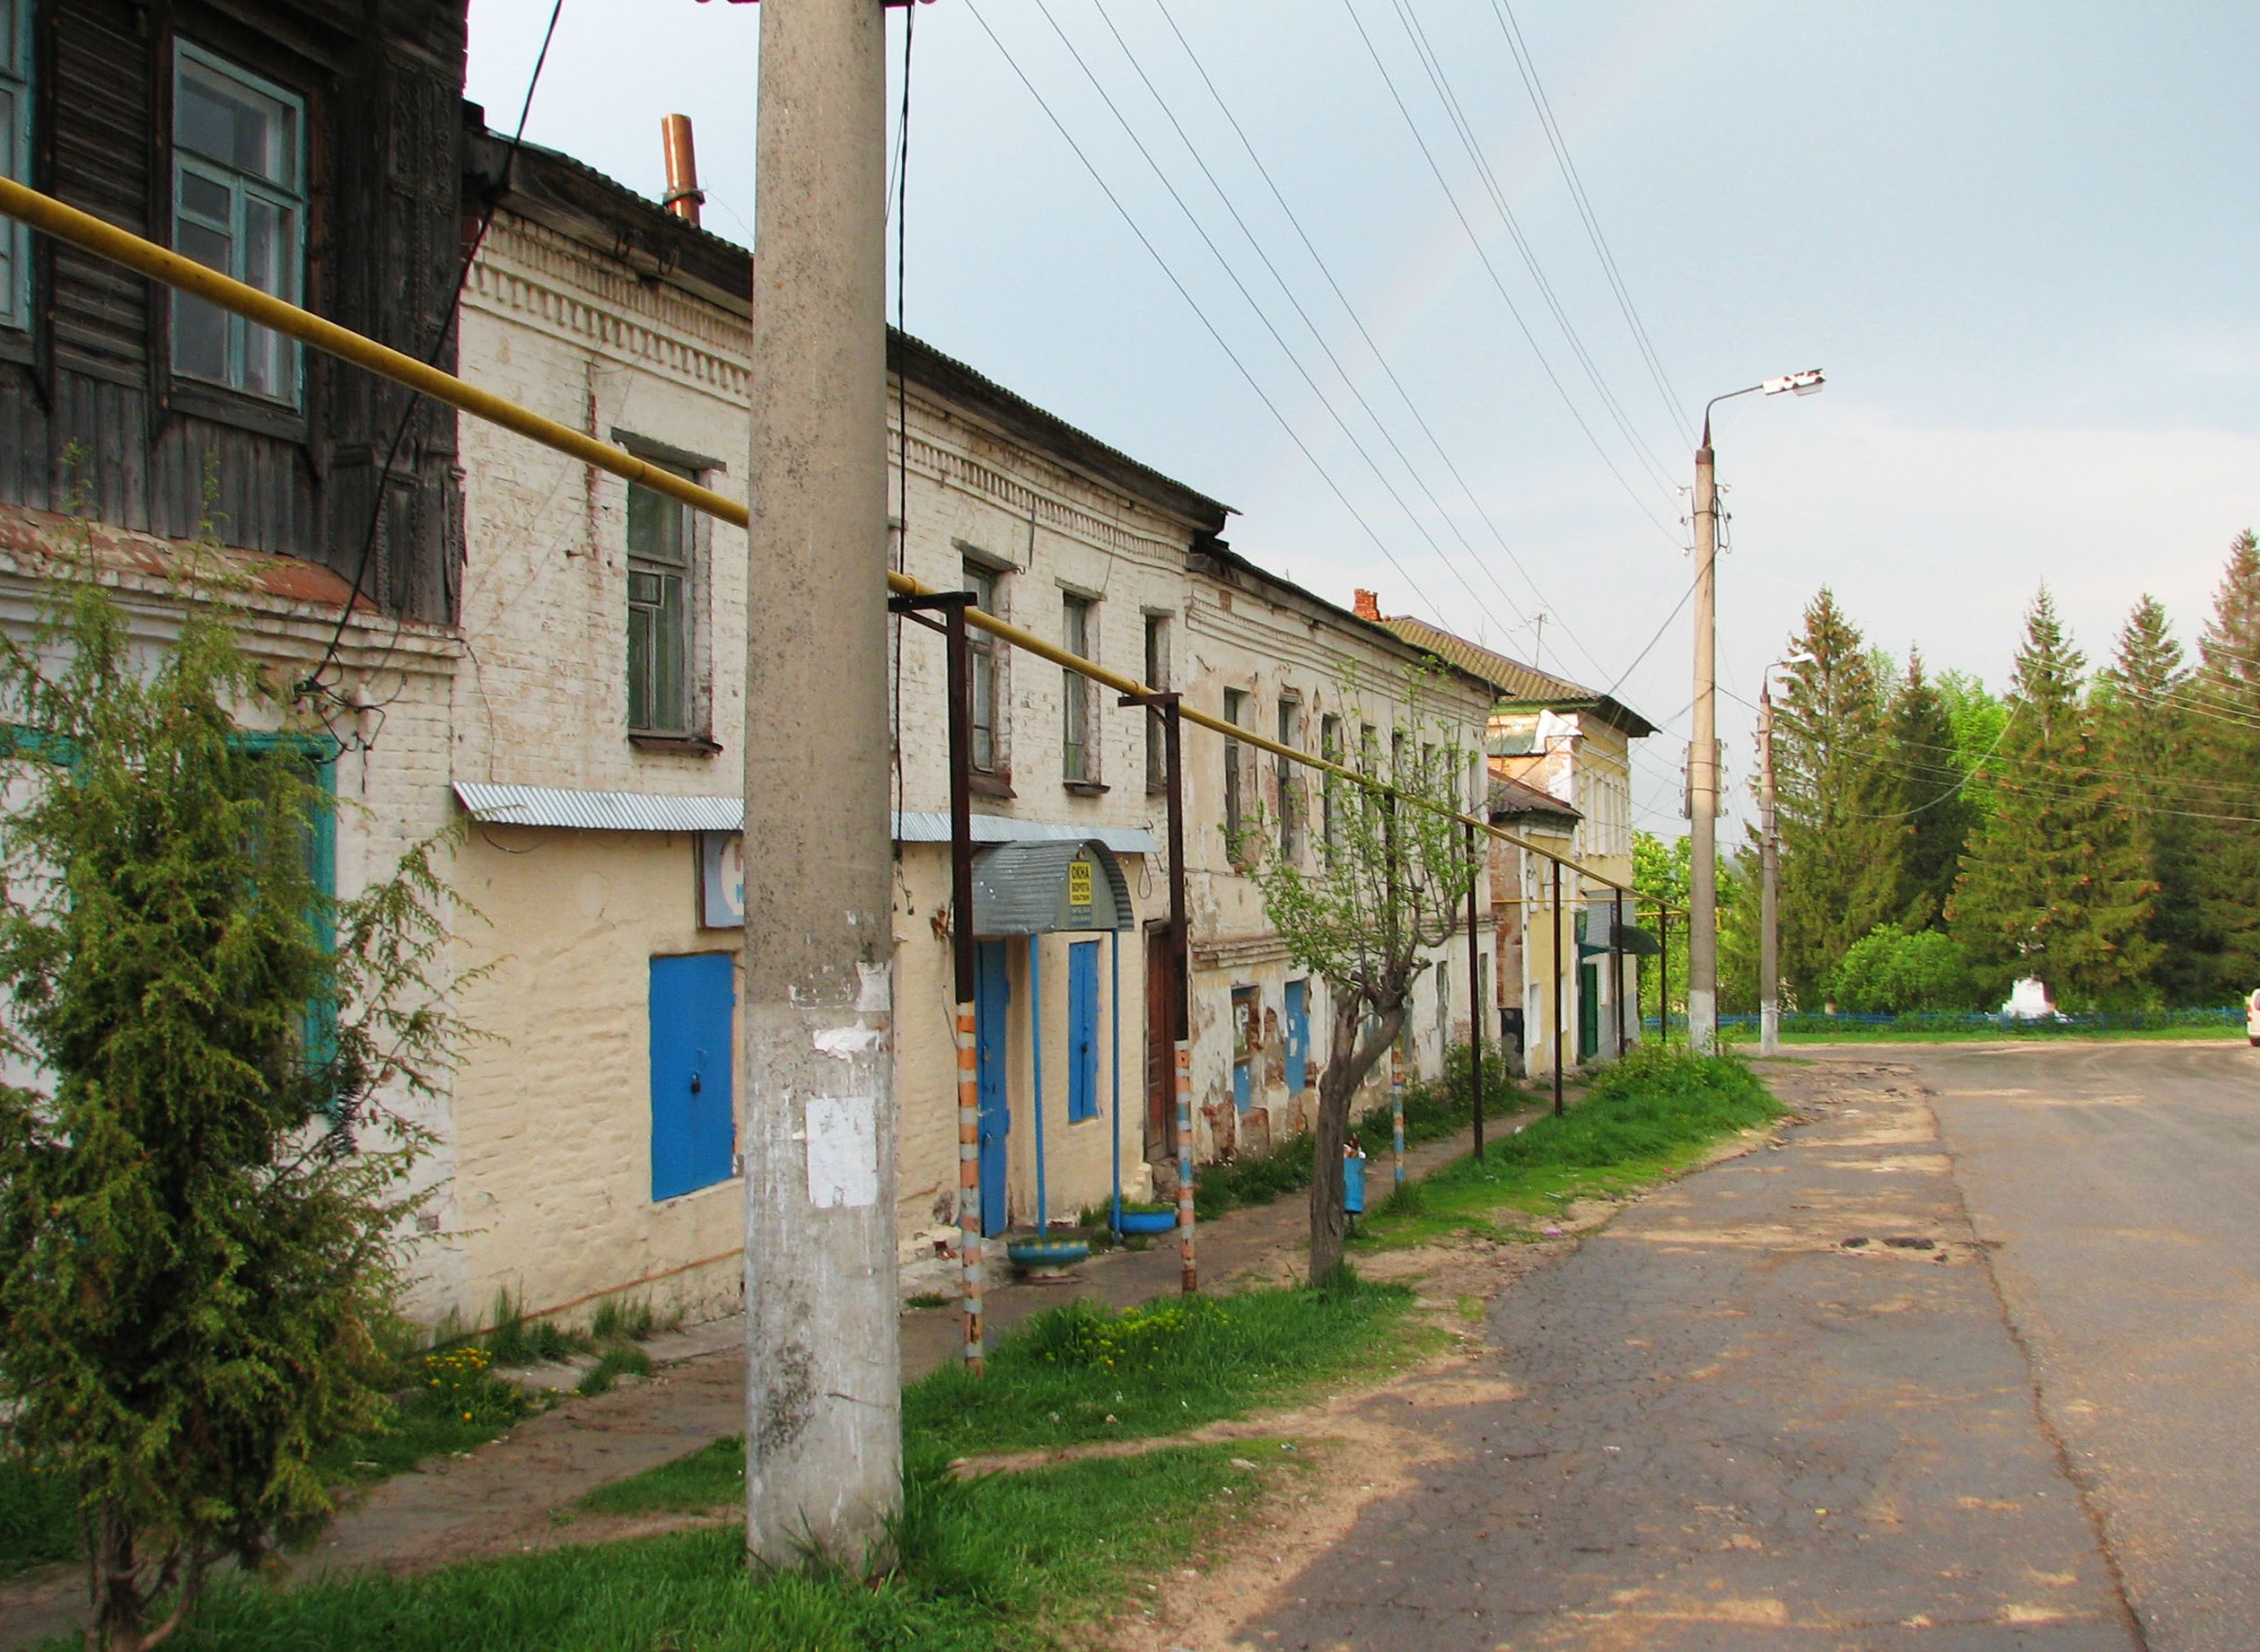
(1256, 247)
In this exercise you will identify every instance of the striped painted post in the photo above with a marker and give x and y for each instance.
(1191, 1281)
(1397, 1108)
(970, 1244)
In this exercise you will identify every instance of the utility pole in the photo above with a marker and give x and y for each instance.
(823, 1360)
(1702, 767)
(1769, 850)
(1702, 756)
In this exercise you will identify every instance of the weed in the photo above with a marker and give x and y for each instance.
(928, 1298)
(620, 1359)
(516, 1340)
(615, 1320)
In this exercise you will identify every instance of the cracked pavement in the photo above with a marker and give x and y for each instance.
(1773, 1404)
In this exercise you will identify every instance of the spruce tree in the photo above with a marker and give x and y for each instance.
(1928, 782)
(2056, 883)
(1841, 849)
(2143, 731)
(203, 1186)
(2223, 703)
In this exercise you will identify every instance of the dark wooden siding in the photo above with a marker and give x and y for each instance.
(382, 83)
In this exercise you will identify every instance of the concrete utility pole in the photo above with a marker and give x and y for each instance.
(1769, 852)
(1703, 758)
(823, 1365)
(1702, 767)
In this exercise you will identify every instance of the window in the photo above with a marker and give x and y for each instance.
(1248, 1015)
(1290, 794)
(15, 157)
(1329, 788)
(1157, 676)
(1077, 751)
(239, 200)
(1235, 805)
(659, 579)
(981, 650)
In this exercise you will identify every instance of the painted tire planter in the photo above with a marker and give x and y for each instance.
(1046, 1252)
(1148, 1221)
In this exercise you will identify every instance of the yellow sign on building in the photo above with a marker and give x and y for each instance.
(1079, 883)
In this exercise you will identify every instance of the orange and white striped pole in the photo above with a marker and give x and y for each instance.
(970, 1244)
(1191, 1282)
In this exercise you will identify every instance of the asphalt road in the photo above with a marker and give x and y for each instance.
(2117, 1186)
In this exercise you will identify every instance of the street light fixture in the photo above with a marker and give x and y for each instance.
(1703, 760)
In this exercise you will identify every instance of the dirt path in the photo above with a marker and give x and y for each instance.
(1719, 1424)
(515, 1494)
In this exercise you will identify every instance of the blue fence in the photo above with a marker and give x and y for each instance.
(1915, 1021)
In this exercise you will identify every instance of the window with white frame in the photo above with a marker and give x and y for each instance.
(239, 205)
(15, 157)
(661, 589)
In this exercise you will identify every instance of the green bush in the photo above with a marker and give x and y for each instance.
(1891, 972)
(38, 1516)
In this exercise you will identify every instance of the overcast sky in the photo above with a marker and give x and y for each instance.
(2020, 239)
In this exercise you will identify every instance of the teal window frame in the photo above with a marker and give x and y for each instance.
(244, 190)
(15, 158)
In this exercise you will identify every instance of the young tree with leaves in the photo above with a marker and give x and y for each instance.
(2222, 699)
(2143, 727)
(1978, 717)
(2056, 883)
(1386, 883)
(1841, 844)
(202, 1200)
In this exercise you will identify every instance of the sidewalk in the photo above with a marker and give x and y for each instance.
(511, 1495)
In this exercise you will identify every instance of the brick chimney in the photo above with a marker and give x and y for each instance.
(1367, 605)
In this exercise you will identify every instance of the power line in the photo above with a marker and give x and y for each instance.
(1404, 395)
(1191, 302)
(1287, 291)
(1419, 138)
(1457, 115)
(1526, 63)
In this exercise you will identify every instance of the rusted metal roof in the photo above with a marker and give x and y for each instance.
(1519, 684)
(1513, 799)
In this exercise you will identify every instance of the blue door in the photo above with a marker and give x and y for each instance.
(992, 1000)
(1298, 1036)
(1082, 1030)
(694, 1132)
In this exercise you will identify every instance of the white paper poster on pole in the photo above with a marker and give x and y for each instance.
(842, 1142)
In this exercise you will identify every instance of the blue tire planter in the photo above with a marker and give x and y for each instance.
(1038, 1253)
(1148, 1221)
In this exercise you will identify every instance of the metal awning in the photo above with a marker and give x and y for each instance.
(1044, 887)
(649, 811)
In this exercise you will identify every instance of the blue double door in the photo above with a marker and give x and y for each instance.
(991, 1043)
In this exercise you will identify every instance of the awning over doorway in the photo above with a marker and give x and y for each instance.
(1039, 888)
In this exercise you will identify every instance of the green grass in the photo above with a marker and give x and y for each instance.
(1653, 1114)
(38, 1517)
(992, 1566)
(1433, 1110)
(1084, 1372)
(620, 1359)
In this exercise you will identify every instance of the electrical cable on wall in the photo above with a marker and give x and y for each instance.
(315, 686)
(902, 389)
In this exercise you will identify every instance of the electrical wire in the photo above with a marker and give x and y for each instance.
(1455, 113)
(313, 685)
(1526, 62)
(1232, 274)
(1327, 272)
(902, 389)
(1200, 314)
(1498, 283)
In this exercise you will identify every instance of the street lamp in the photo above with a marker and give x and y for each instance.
(1703, 760)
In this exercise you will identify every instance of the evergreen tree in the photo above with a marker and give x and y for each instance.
(1928, 780)
(2223, 702)
(2056, 883)
(2143, 731)
(1841, 853)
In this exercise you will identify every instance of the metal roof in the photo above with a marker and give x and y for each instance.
(645, 811)
(1029, 888)
(599, 811)
(1519, 684)
(924, 826)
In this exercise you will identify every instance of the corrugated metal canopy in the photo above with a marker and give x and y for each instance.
(599, 811)
(1038, 889)
(924, 826)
